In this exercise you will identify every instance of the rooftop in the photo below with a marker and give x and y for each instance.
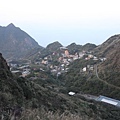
(108, 100)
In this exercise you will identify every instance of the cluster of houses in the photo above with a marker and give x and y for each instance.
(63, 59)
(20, 69)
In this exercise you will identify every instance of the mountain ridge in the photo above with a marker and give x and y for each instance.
(109, 70)
(13, 40)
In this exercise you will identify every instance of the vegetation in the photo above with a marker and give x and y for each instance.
(46, 97)
(87, 82)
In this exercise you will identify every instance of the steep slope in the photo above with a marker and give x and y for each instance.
(10, 91)
(13, 41)
(108, 46)
(110, 69)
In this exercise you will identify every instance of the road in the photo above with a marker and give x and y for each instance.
(111, 85)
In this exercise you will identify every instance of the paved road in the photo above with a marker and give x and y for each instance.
(86, 96)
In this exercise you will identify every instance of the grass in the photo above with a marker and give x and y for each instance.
(49, 115)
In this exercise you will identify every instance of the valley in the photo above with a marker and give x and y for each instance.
(79, 82)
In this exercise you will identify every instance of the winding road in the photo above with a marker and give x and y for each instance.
(111, 85)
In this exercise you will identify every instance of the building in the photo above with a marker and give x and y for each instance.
(90, 56)
(71, 93)
(108, 100)
(66, 53)
(84, 69)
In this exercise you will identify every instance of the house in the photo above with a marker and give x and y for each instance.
(108, 100)
(54, 71)
(37, 63)
(45, 58)
(63, 48)
(66, 53)
(24, 67)
(59, 73)
(42, 69)
(70, 60)
(90, 56)
(95, 58)
(90, 67)
(81, 54)
(25, 73)
(17, 72)
(84, 69)
(44, 62)
(102, 59)
(62, 65)
(75, 57)
(87, 58)
(71, 93)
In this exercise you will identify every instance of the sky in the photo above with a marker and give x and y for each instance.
(66, 21)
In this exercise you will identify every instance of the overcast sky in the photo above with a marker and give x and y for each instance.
(66, 21)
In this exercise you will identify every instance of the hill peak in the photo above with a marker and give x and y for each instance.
(13, 40)
(56, 43)
(11, 25)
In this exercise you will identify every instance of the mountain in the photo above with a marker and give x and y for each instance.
(13, 40)
(73, 47)
(110, 69)
(89, 47)
(53, 46)
(110, 45)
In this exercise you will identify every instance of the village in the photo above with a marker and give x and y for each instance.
(57, 63)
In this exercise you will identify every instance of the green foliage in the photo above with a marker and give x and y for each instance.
(111, 76)
(73, 48)
(87, 82)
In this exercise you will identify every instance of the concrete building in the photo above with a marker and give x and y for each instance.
(108, 100)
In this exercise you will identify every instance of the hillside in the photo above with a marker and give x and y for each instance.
(89, 47)
(110, 45)
(110, 69)
(13, 40)
(73, 47)
(33, 98)
(37, 53)
(82, 74)
(53, 46)
(10, 91)
(53, 72)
